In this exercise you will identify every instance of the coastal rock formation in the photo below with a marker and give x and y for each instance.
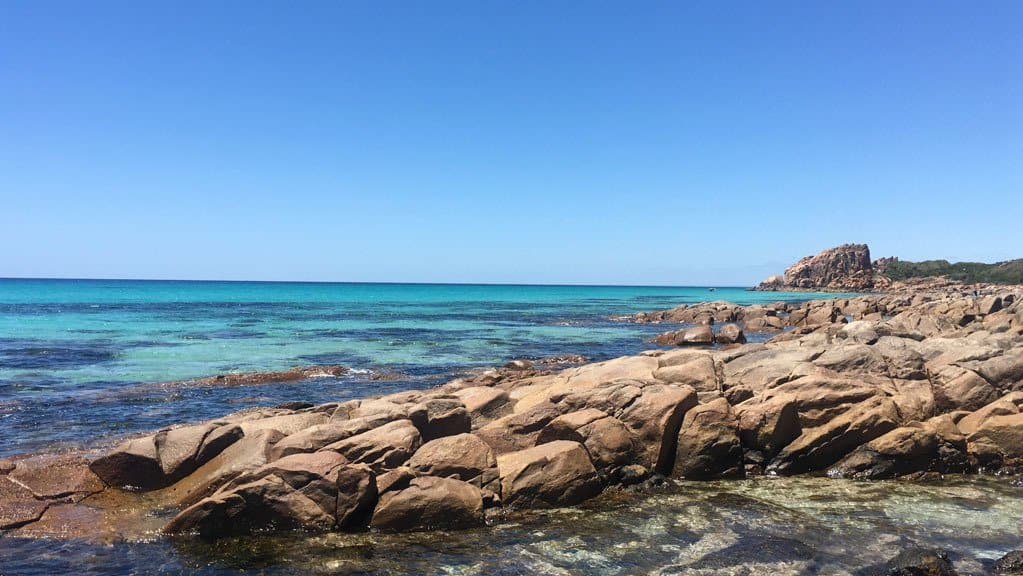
(845, 268)
(873, 387)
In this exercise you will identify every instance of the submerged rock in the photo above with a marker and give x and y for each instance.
(920, 562)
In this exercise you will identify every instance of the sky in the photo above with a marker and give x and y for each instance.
(528, 142)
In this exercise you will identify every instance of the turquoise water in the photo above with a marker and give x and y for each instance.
(79, 351)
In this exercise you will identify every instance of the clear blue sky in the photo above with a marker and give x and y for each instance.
(504, 141)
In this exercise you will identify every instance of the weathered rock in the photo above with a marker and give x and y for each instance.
(702, 334)
(770, 426)
(708, 444)
(484, 403)
(439, 417)
(1010, 563)
(316, 437)
(846, 267)
(998, 441)
(730, 334)
(909, 449)
(247, 454)
(383, 448)
(920, 562)
(820, 447)
(654, 418)
(558, 473)
(430, 503)
(135, 463)
(518, 431)
(295, 492)
(286, 424)
(608, 442)
(356, 497)
(699, 372)
(17, 505)
(463, 457)
(56, 476)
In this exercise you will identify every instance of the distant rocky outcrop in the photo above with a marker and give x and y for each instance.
(845, 268)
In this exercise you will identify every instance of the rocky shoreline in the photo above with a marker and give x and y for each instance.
(912, 383)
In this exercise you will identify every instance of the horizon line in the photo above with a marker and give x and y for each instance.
(368, 282)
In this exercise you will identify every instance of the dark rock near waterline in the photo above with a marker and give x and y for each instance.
(1011, 563)
(919, 562)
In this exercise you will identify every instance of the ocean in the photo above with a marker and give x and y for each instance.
(84, 363)
(87, 354)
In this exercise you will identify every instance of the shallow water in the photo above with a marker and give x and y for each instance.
(80, 352)
(752, 527)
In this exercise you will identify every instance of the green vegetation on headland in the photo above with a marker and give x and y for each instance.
(1009, 272)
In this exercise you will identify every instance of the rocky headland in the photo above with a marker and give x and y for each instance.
(849, 268)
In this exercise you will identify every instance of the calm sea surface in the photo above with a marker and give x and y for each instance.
(80, 360)
(83, 352)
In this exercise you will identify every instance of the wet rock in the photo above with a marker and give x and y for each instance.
(463, 457)
(56, 476)
(1011, 563)
(18, 506)
(382, 448)
(555, 474)
(920, 562)
(708, 444)
(134, 464)
(909, 449)
(430, 503)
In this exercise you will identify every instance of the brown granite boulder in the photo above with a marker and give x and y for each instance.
(708, 443)
(296, 492)
(555, 474)
(821, 446)
(518, 431)
(609, 444)
(917, 447)
(439, 417)
(730, 334)
(382, 448)
(156, 461)
(997, 442)
(654, 419)
(430, 503)
(463, 457)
